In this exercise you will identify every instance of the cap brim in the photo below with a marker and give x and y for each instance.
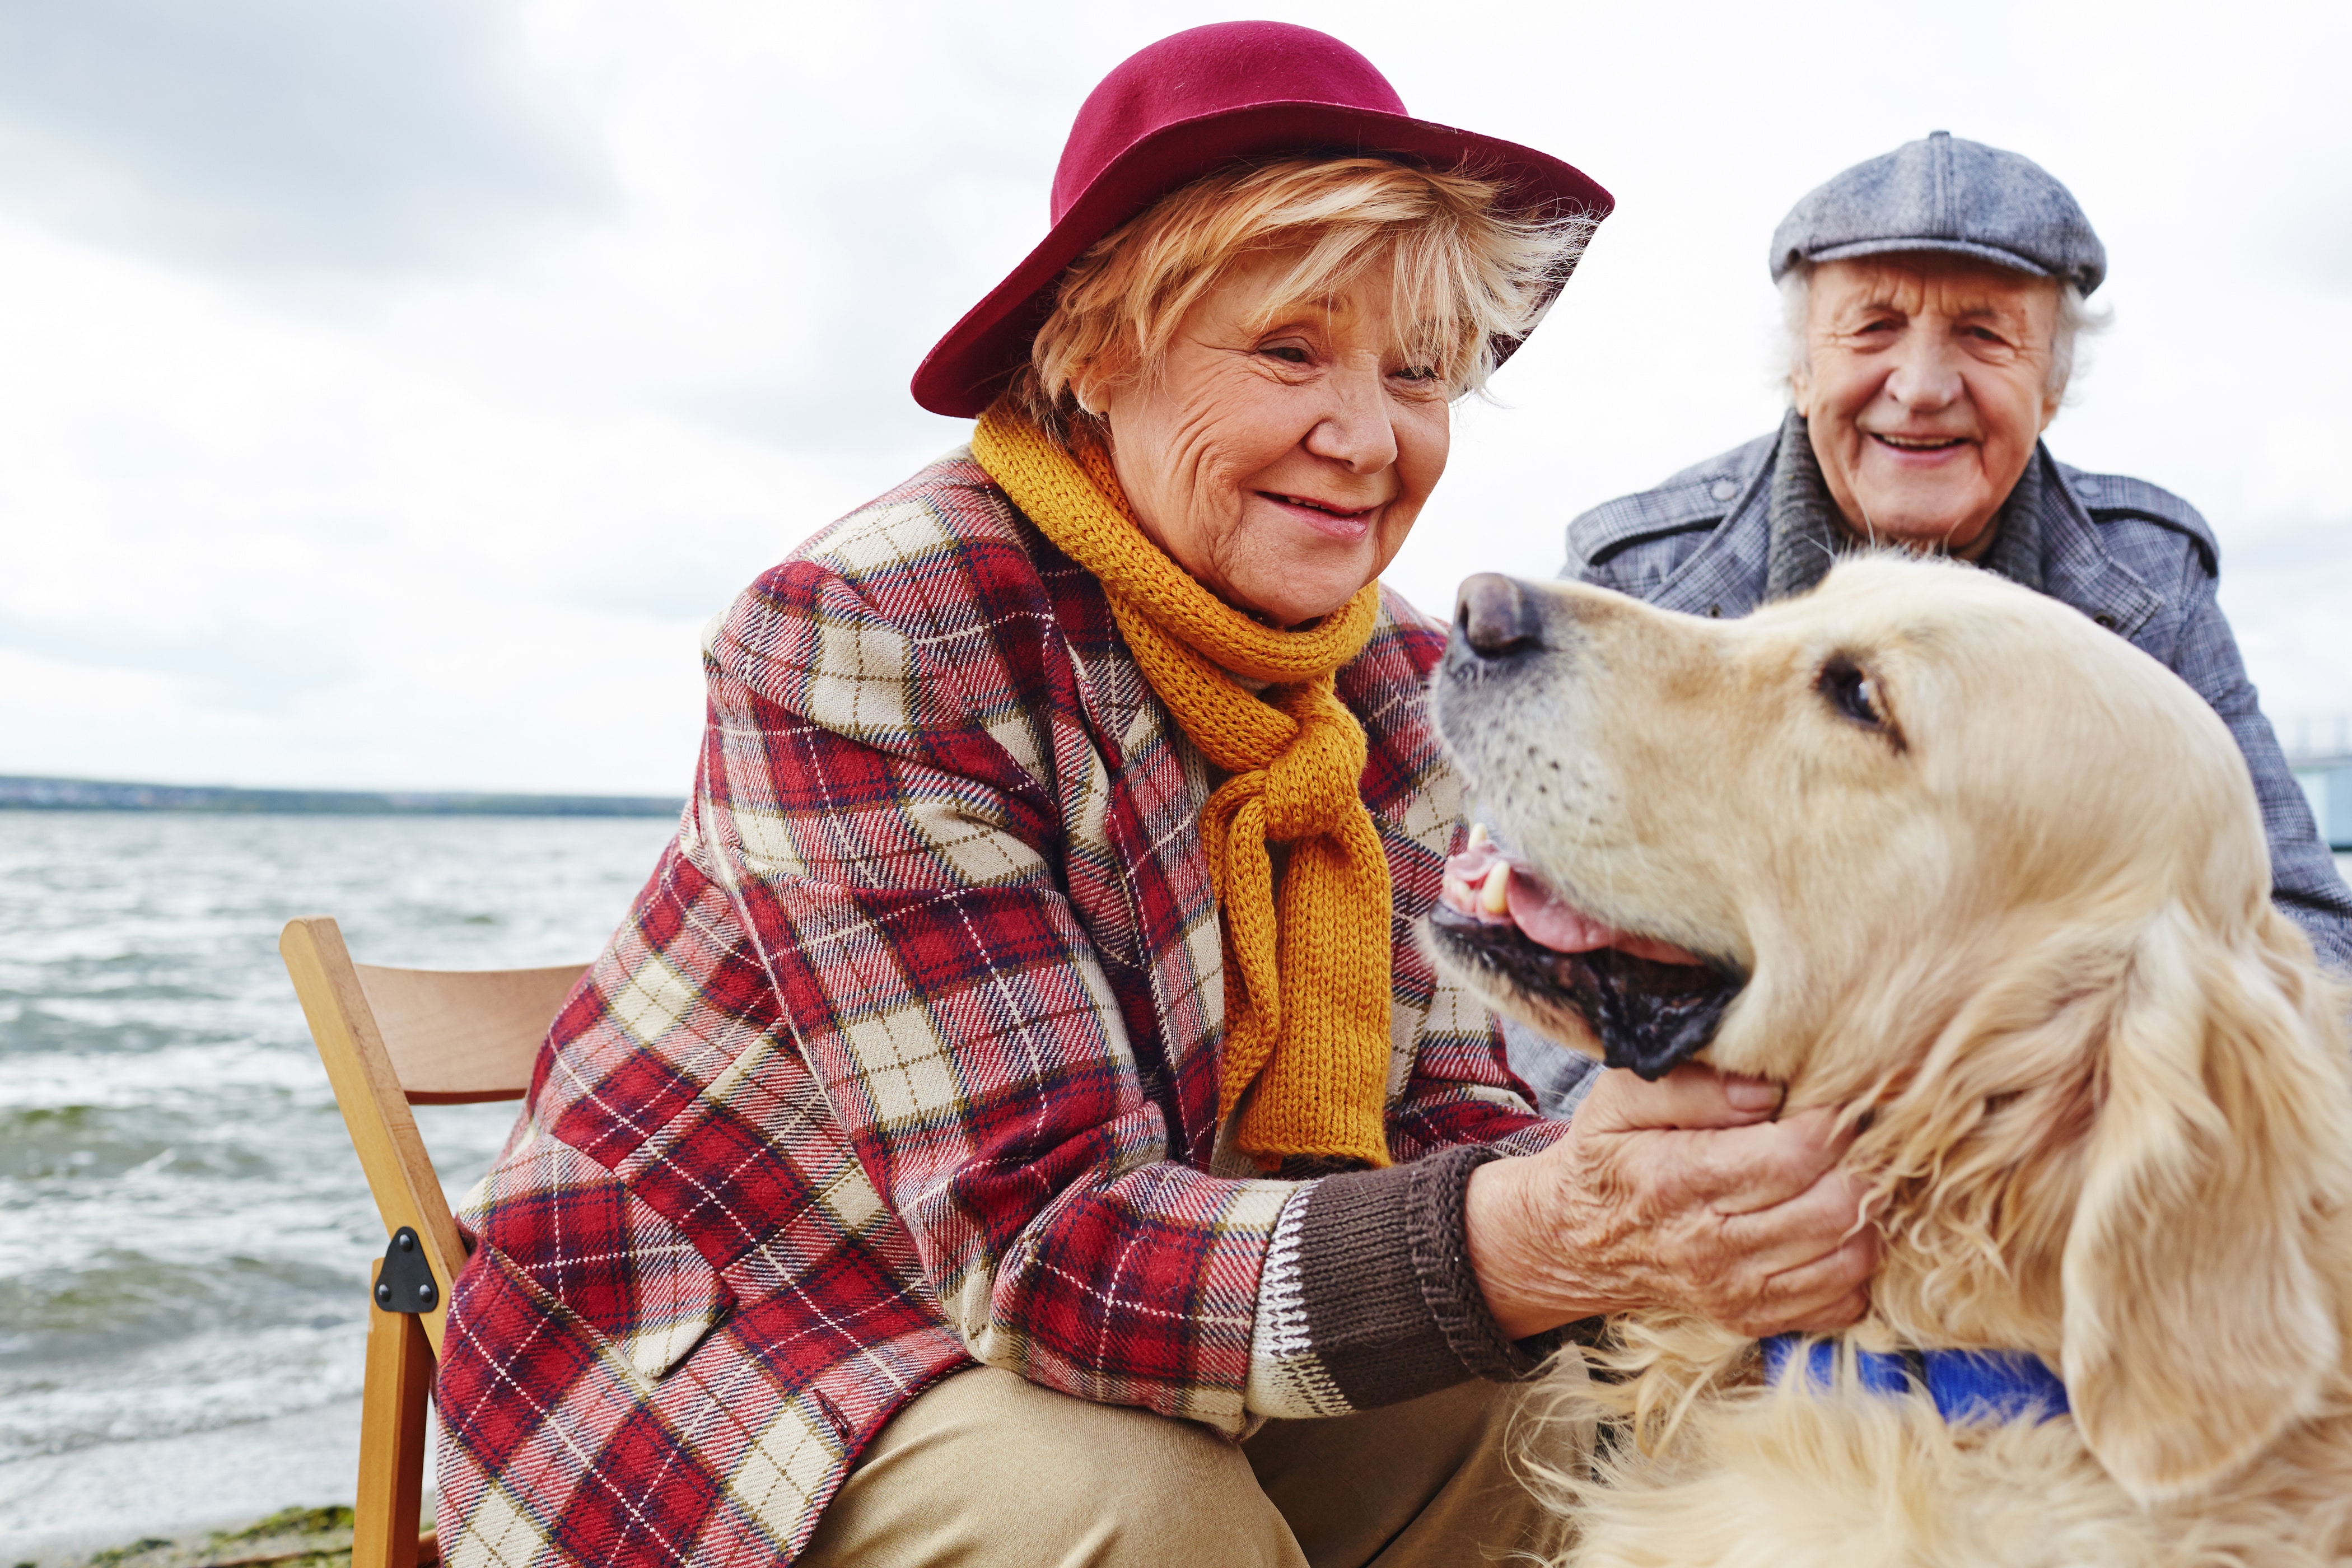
(1890, 246)
(971, 365)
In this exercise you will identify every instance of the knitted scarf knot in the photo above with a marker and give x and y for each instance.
(1308, 984)
(1311, 785)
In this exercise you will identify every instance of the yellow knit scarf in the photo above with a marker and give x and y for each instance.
(1306, 966)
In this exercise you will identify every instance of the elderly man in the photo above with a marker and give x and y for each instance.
(1933, 297)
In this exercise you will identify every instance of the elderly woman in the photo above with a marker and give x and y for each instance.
(1016, 1125)
(1934, 298)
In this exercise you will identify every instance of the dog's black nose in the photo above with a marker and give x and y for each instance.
(1498, 618)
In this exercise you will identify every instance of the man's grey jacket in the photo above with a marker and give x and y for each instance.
(2138, 560)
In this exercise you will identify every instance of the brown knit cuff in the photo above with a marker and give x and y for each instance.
(1393, 1309)
(1441, 1262)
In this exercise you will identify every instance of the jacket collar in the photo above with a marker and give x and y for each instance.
(1807, 536)
(2075, 567)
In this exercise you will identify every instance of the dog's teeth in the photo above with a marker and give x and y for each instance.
(1495, 894)
(1477, 835)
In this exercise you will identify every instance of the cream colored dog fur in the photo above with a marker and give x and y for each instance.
(1999, 887)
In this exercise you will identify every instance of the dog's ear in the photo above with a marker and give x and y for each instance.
(2198, 1324)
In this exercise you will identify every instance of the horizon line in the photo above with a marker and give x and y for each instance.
(39, 792)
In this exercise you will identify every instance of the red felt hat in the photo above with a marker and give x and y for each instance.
(1177, 110)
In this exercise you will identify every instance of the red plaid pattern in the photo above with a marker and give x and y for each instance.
(904, 1059)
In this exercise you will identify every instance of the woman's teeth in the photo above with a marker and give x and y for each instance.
(1324, 508)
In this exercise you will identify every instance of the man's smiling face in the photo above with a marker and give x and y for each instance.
(1926, 386)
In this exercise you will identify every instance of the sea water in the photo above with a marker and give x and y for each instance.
(184, 1233)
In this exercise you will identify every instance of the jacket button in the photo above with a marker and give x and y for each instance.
(1723, 489)
(1716, 611)
(2104, 619)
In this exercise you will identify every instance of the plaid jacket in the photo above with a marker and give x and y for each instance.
(2138, 560)
(905, 1059)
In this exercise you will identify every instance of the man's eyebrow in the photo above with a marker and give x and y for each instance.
(1987, 308)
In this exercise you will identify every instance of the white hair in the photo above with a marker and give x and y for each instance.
(2076, 320)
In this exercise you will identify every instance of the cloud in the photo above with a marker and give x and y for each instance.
(624, 298)
(2319, 247)
(286, 134)
(237, 669)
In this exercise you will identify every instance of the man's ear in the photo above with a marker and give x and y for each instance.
(1801, 390)
(2200, 1317)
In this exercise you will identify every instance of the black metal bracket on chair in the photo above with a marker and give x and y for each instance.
(405, 1283)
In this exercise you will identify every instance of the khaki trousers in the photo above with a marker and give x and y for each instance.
(987, 1470)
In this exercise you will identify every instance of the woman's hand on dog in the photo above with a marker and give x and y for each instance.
(1687, 1194)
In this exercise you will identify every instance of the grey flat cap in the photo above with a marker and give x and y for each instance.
(1944, 194)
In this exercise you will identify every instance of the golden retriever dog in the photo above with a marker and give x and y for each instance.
(1936, 851)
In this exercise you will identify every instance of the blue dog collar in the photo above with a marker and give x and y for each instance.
(1966, 1385)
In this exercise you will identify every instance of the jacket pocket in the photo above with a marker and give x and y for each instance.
(571, 1229)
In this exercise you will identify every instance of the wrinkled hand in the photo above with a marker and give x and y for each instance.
(1683, 1194)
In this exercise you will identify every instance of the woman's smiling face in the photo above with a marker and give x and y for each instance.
(1280, 459)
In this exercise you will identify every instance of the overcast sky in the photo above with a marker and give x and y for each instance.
(389, 391)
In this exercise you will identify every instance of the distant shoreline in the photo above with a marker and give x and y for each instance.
(20, 793)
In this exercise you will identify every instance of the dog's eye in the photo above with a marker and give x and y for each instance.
(1853, 692)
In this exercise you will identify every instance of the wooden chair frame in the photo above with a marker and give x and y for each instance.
(392, 1038)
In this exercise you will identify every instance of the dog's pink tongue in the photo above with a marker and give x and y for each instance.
(1540, 913)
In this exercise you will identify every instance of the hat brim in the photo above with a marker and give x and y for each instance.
(968, 368)
(1895, 243)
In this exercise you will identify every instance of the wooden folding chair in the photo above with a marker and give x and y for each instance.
(392, 1038)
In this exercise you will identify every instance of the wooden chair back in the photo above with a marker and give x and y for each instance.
(392, 1038)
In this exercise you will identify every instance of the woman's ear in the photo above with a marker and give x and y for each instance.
(2200, 1319)
(1094, 384)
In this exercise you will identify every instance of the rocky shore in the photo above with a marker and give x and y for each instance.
(293, 1538)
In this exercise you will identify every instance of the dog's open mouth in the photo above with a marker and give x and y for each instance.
(1652, 1005)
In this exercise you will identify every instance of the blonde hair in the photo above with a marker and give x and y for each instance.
(1464, 274)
